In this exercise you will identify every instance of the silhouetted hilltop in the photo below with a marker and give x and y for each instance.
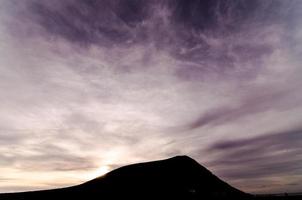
(179, 177)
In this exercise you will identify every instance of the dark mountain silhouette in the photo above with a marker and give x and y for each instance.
(179, 177)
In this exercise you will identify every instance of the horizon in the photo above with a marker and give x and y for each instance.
(87, 86)
(103, 173)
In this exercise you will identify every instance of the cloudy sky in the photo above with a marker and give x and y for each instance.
(87, 86)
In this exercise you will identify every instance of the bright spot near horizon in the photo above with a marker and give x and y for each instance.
(100, 171)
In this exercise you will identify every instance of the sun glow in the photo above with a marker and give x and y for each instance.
(100, 171)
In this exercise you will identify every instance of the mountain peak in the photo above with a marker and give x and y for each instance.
(182, 158)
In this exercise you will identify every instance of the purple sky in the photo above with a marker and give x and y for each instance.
(90, 85)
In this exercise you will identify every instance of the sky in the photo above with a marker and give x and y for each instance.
(87, 86)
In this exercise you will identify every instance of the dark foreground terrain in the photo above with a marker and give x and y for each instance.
(283, 197)
(176, 178)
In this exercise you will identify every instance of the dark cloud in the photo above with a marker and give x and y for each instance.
(261, 102)
(228, 15)
(90, 22)
(93, 21)
(212, 36)
(268, 155)
(173, 25)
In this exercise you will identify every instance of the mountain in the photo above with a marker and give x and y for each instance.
(179, 177)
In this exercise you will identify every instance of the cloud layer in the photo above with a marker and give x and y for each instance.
(91, 84)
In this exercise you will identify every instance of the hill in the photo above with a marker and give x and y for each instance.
(179, 177)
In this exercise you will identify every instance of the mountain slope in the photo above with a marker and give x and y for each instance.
(179, 177)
